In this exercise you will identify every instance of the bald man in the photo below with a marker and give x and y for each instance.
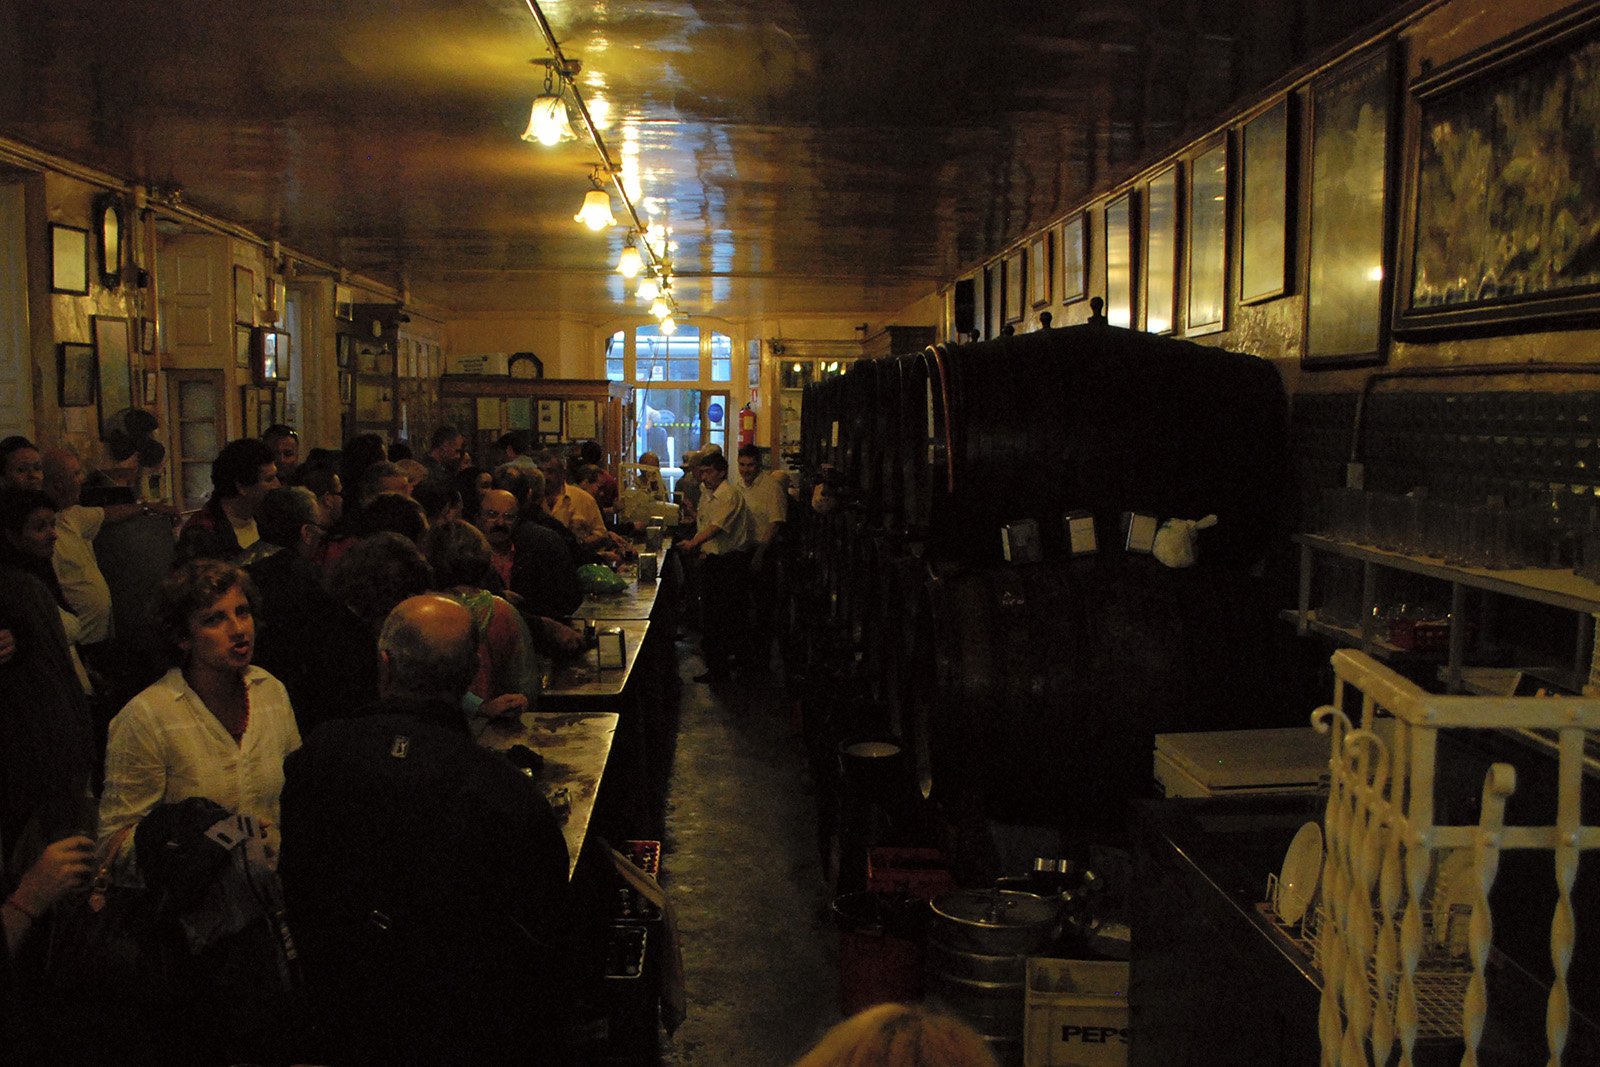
(411, 854)
(497, 518)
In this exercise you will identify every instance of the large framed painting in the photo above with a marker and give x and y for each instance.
(1346, 296)
(1208, 240)
(1502, 203)
(1039, 257)
(114, 366)
(1119, 261)
(1161, 251)
(991, 301)
(1012, 270)
(1266, 208)
(1074, 243)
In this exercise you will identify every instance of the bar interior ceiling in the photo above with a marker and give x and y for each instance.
(828, 156)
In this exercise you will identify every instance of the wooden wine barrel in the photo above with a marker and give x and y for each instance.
(1043, 686)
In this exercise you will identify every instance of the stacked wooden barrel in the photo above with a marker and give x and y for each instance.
(1029, 692)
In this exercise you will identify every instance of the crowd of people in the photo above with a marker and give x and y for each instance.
(336, 625)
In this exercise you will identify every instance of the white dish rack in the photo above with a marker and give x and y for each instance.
(1372, 926)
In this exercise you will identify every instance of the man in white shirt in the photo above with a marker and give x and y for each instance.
(76, 528)
(724, 536)
(576, 509)
(764, 495)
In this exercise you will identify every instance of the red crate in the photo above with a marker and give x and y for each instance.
(645, 855)
(915, 872)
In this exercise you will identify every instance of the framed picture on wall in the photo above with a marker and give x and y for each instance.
(992, 317)
(1207, 278)
(1350, 138)
(151, 388)
(69, 260)
(242, 337)
(75, 375)
(244, 295)
(1161, 251)
(113, 356)
(1074, 243)
(550, 416)
(581, 424)
(1039, 270)
(1502, 196)
(1012, 270)
(1266, 206)
(1119, 261)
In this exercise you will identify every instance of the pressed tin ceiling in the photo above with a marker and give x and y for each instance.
(819, 156)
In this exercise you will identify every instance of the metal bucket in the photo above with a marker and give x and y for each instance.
(880, 949)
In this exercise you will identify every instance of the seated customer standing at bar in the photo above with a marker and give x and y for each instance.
(723, 536)
(425, 876)
(243, 473)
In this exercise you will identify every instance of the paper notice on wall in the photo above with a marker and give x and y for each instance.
(519, 413)
(489, 413)
(580, 420)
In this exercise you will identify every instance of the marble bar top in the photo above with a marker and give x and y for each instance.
(581, 675)
(575, 747)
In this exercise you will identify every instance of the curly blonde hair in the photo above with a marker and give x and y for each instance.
(899, 1035)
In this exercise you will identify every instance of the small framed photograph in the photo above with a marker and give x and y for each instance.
(244, 295)
(581, 425)
(271, 355)
(266, 407)
(1074, 259)
(147, 335)
(1039, 260)
(151, 387)
(344, 305)
(1012, 270)
(346, 388)
(343, 344)
(241, 347)
(75, 374)
(550, 416)
(69, 260)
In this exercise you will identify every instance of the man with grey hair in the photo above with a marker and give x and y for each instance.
(306, 637)
(410, 854)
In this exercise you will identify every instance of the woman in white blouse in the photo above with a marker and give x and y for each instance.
(212, 727)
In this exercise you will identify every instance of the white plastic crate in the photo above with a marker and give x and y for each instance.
(1076, 1013)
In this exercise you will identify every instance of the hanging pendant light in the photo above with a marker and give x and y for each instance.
(548, 122)
(596, 210)
(648, 290)
(669, 326)
(660, 308)
(630, 263)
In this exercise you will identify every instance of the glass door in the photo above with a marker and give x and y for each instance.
(669, 425)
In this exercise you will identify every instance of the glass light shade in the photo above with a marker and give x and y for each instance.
(630, 263)
(660, 308)
(596, 210)
(668, 326)
(547, 122)
(648, 289)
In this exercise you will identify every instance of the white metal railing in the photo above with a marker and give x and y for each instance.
(1383, 843)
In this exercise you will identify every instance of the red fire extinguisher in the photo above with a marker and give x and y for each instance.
(747, 426)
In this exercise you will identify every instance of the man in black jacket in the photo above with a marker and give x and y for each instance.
(426, 878)
(323, 654)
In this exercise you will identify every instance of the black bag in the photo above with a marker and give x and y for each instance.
(110, 944)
